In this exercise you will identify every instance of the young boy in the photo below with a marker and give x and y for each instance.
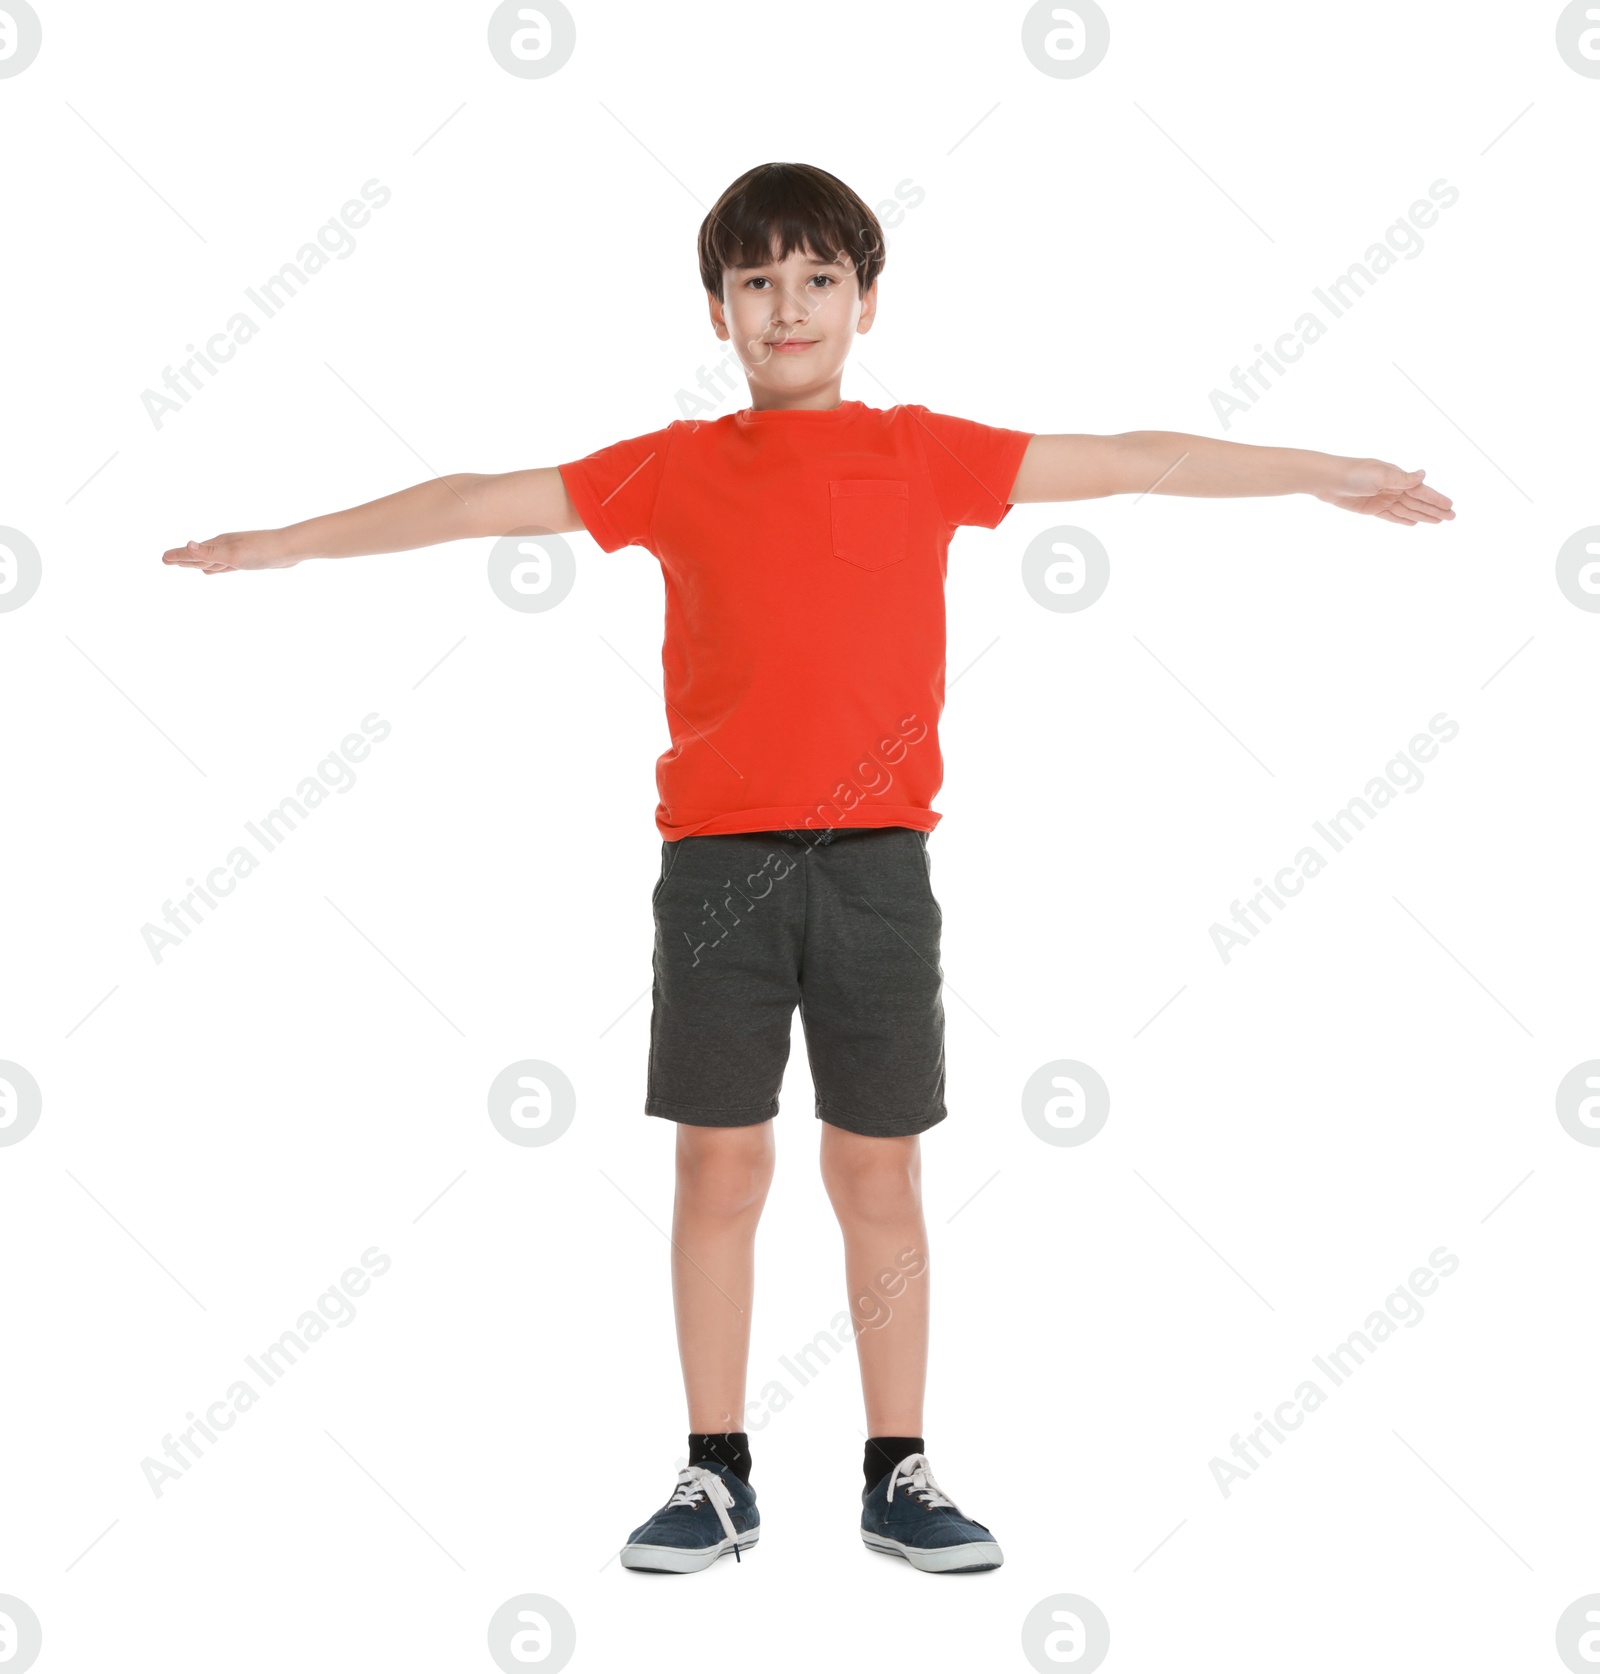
(803, 543)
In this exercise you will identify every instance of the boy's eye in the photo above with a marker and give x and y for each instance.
(761, 279)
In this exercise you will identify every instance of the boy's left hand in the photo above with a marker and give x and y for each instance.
(1383, 490)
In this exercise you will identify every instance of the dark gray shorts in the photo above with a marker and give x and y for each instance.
(842, 923)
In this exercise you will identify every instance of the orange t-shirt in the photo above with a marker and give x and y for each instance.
(804, 557)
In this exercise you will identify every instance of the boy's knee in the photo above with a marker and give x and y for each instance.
(725, 1175)
(869, 1187)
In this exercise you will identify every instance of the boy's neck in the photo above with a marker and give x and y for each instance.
(777, 401)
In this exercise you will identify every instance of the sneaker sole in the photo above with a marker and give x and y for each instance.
(684, 1560)
(939, 1560)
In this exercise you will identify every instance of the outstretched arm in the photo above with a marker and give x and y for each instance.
(1170, 462)
(453, 508)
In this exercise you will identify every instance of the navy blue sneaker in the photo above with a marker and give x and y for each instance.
(712, 1511)
(909, 1515)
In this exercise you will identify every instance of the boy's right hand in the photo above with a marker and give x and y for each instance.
(252, 549)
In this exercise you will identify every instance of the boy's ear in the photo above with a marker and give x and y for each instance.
(719, 322)
(869, 307)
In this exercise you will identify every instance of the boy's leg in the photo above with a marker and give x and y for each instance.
(727, 951)
(874, 1020)
(722, 1179)
(875, 1186)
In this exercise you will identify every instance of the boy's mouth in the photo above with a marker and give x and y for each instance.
(793, 344)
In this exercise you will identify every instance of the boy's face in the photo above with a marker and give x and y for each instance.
(813, 304)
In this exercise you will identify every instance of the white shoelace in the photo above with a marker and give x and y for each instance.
(696, 1481)
(916, 1470)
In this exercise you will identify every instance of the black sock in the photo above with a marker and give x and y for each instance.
(884, 1453)
(730, 1448)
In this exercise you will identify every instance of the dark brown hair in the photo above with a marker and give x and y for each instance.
(776, 208)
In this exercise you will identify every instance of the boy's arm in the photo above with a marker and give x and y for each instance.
(453, 508)
(1170, 462)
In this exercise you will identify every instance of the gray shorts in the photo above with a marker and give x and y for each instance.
(842, 923)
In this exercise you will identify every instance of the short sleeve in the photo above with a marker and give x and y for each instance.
(973, 466)
(614, 489)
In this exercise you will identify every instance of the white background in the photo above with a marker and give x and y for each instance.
(226, 1131)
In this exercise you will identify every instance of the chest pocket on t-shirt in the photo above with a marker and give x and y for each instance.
(869, 520)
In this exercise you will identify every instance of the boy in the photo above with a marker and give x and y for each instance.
(803, 543)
